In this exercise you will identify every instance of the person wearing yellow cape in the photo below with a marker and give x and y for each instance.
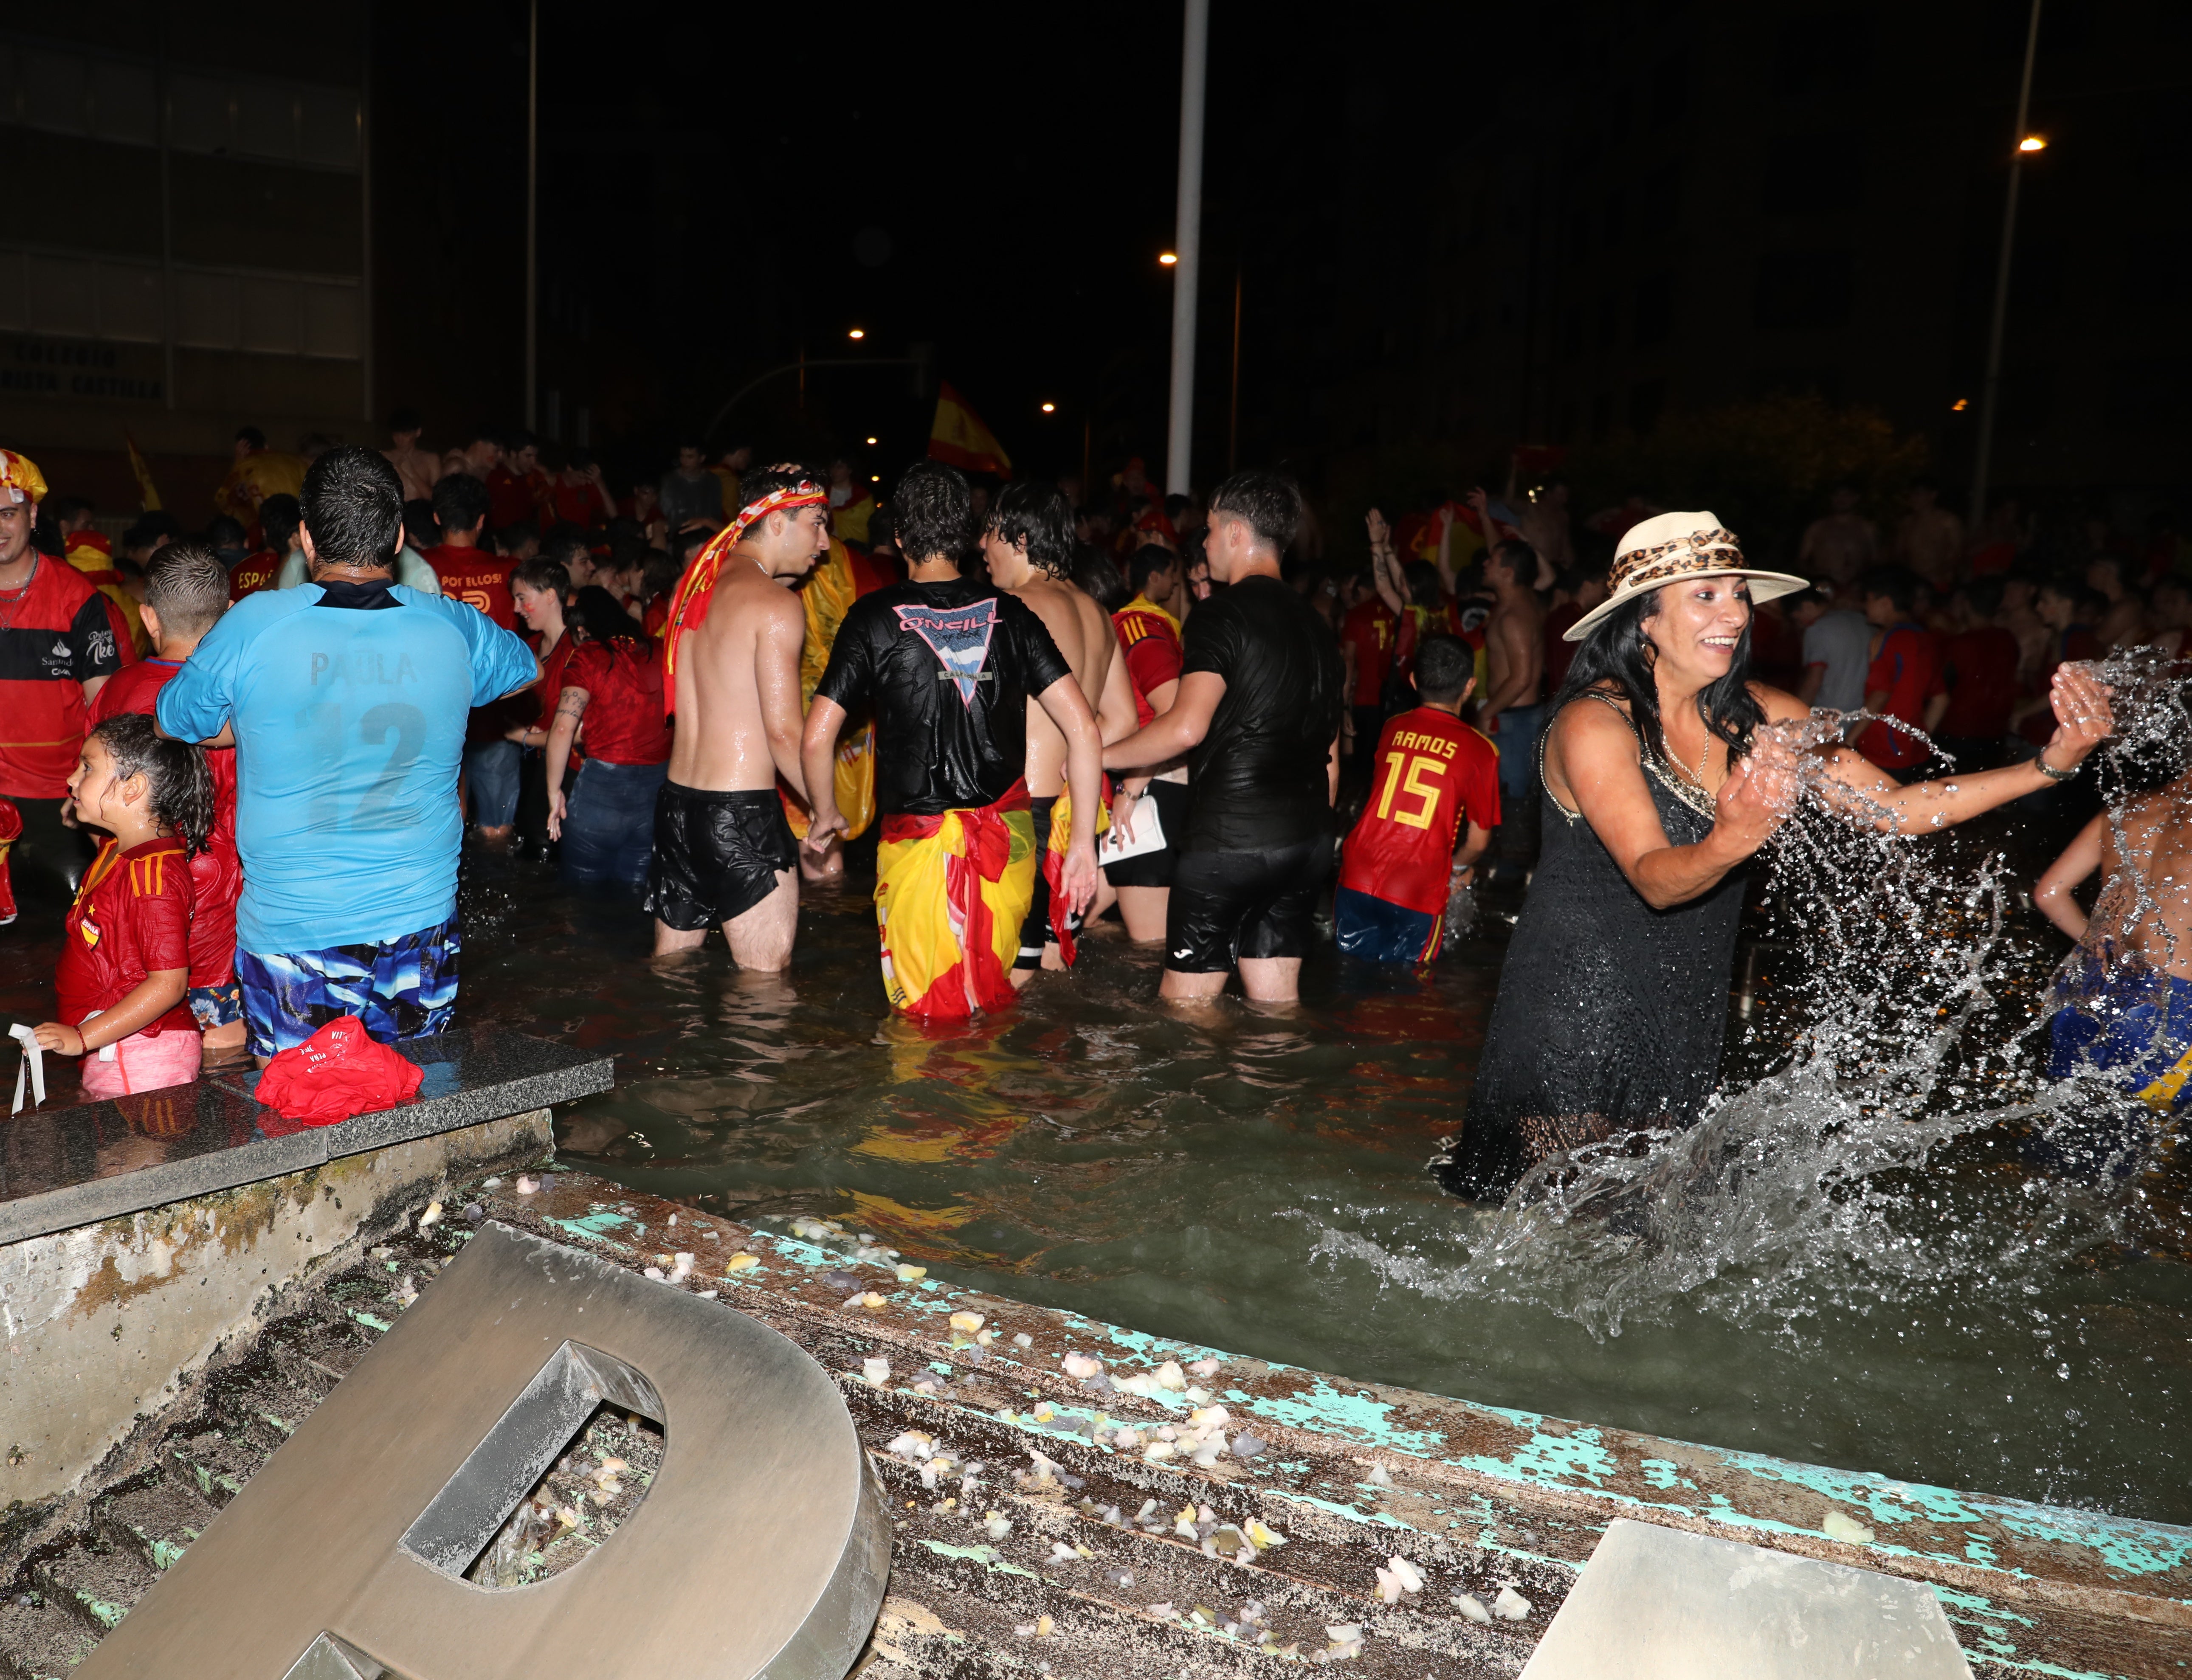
(828, 594)
(948, 666)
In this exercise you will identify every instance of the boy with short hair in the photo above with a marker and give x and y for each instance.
(1399, 866)
(187, 589)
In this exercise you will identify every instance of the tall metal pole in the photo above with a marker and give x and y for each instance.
(1233, 409)
(1983, 458)
(532, 222)
(365, 229)
(1187, 245)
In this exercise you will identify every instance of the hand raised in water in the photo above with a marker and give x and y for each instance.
(1759, 791)
(2083, 716)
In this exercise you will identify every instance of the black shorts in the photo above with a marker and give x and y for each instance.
(1036, 931)
(1154, 868)
(716, 854)
(1228, 905)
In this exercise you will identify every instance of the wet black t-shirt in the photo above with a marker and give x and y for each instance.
(950, 668)
(1260, 777)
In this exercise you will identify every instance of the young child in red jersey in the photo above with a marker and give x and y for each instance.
(185, 593)
(1399, 866)
(125, 961)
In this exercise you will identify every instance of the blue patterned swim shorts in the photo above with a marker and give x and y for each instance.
(404, 988)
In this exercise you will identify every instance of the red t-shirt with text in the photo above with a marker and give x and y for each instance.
(56, 634)
(1369, 629)
(252, 573)
(1432, 769)
(477, 578)
(623, 721)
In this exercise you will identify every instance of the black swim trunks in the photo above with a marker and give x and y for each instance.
(1035, 932)
(1228, 905)
(1154, 868)
(716, 854)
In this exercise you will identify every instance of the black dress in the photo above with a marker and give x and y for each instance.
(1611, 1014)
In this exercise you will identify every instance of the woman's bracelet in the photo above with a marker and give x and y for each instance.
(2040, 763)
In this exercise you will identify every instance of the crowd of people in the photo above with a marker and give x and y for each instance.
(1046, 703)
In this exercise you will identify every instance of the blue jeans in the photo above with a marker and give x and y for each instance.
(1517, 741)
(608, 824)
(491, 782)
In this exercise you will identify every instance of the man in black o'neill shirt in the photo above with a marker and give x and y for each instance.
(1258, 712)
(950, 667)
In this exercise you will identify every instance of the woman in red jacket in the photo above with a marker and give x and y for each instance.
(610, 705)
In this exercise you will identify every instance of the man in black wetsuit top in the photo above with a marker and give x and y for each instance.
(1257, 713)
(949, 667)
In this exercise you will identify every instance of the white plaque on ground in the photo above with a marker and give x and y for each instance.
(1658, 1603)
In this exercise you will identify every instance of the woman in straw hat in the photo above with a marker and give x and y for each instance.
(1659, 787)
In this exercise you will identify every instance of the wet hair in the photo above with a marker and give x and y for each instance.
(564, 540)
(279, 516)
(187, 586)
(353, 506)
(461, 502)
(419, 529)
(1098, 578)
(1147, 563)
(224, 533)
(768, 480)
(1518, 557)
(177, 786)
(934, 513)
(598, 616)
(405, 419)
(1984, 594)
(1444, 667)
(1040, 513)
(540, 574)
(1270, 502)
(1619, 655)
(1899, 583)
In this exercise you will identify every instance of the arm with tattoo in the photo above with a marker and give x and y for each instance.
(570, 707)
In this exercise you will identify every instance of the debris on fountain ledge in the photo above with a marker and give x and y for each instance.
(911, 1274)
(681, 1268)
(840, 1283)
(876, 1372)
(405, 1291)
(1398, 1575)
(870, 1300)
(1511, 1605)
(1471, 1606)
(1023, 1340)
(1082, 1366)
(1204, 1368)
(489, 1183)
(527, 1184)
(1246, 1445)
(431, 1216)
(1168, 1374)
(1261, 1538)
(1346, 1638)
(1379, 1477)
(1840, 1525)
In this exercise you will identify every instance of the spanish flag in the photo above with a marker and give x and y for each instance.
(958, 438)
(148, 496)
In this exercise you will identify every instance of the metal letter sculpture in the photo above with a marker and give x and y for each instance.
(760, 1549)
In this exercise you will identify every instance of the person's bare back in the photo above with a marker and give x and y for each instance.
(1090, 646)
(2144, 908)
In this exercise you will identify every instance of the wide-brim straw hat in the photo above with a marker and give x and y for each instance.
(1671, 546)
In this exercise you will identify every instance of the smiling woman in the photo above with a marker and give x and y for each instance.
(1613, 1003)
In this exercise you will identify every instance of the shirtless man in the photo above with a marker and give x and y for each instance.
(2127, 995)
(723, 853)
(418, 468)
(1029, 545)
(1514, 683)
(1930, 540)
(1840, 544)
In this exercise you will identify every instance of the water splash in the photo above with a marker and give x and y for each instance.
(1909, 993)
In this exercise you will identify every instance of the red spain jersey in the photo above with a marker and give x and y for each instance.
(1369, 629)
(623, 721)
(477, 578)
(1908, 660)
(131, 917)
(56, 634)
(1150, 637)
(1432, 769)
(252, 573)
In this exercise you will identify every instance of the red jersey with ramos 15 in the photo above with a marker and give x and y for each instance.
(131, 919)
(1432, 771)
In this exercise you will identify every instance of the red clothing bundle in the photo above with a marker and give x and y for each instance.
(335, 1073)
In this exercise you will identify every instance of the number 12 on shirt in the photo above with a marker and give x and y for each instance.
(1420, 817)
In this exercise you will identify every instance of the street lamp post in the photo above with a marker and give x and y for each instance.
(2025, 145)
(532, 219)
(1179, 443)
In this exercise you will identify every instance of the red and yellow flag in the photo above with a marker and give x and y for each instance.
(148, 496)
(959, 438)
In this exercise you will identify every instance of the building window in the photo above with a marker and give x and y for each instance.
(1804, 291)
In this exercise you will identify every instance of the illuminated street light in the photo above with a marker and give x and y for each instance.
(1960, 405)
(1169, 257)
(1050, 408)
(2032, 143)
(875, 478)
(871, 440)
(857, 333)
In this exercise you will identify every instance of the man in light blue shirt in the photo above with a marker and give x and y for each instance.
(345, 698)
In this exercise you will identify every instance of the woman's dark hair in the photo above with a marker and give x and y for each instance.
(1032, 509)
(595, 614)
(1619, 653)
(933, 512)
(177, 786)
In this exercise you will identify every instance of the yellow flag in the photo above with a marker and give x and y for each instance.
(148, 495)
(958, 438)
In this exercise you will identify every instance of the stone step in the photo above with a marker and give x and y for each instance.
(39, 1640)
(100, 1582)
(157, 1517)
(215, 1462)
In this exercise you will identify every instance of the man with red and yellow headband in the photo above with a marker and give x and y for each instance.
(723, 854)
(58, 646)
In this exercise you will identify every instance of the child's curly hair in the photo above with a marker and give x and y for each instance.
(176, 779)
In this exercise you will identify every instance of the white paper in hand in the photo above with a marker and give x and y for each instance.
(1149, 835)
(32, 1067)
